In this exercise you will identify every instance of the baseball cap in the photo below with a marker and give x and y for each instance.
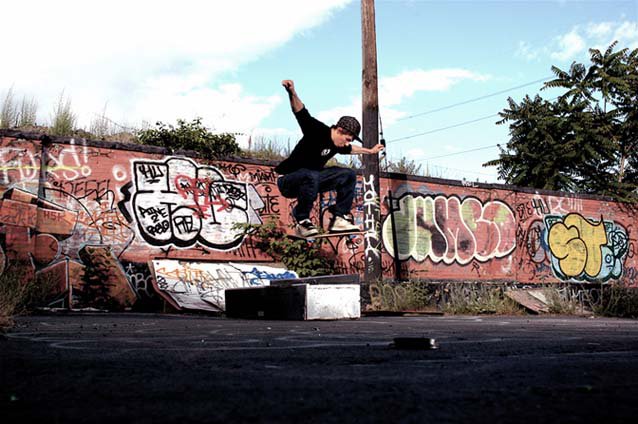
(350, 124)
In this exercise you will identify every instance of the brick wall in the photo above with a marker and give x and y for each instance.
(63, 198)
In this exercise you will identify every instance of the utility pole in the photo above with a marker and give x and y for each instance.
(370, 115)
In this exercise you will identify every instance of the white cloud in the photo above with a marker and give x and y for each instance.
(281, 137)
(526, 51)
(392, 90)
(574, 44)
(628, 33)
(331, 116)
(227, 107)
(599, 30)
(569, 46)
(416, 153)
(395, 89)
(148, 56)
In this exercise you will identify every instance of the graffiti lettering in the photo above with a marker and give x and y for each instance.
(564, 205)
(371, 235)
(539, 206)
(177, 203)
(467, 183)
(19, 164)
(69, 163)
(233, 169)
(271, 202)
(152, 173)
(450, 230)
(585, 250)
(85, 189)
(261, 176)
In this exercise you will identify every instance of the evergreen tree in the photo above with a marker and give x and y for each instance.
(586, 140)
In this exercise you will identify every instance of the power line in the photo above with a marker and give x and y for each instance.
(474, 99)
(451, 126)
(460, 170)
(459, 153)
(442, 129)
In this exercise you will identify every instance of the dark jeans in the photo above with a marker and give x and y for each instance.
(305, 184)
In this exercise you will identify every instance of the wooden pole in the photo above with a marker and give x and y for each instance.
(370, 115)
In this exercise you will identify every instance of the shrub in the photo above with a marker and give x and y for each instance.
(306, 259)
(614, 300)
(475, 298)
(403, 166)
(404, 296)
(20, 293)
(190, 136)
(267, 149)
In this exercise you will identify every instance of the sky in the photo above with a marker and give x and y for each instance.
(445, 67)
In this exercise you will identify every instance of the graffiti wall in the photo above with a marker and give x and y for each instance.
(94, 217)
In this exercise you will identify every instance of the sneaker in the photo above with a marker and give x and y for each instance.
(305, 228)
(343, 224)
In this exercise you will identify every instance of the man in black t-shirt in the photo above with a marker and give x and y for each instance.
(303, 174)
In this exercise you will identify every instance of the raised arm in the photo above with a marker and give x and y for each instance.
(358, 150)
(295, 103)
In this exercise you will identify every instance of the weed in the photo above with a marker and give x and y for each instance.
(614, 300)
(100, 125)
(451, 298)
(20, 293)
(404, 296)
(267, 149)
(63, 119)
(306, 259)
(461, 298)
(28, 113)
(8, 111)
(563, 301)
(403, 166)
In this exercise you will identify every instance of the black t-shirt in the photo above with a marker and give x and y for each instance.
(315, 147)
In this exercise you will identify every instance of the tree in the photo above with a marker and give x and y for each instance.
(190, 136)
(586, 140)
(541, 149)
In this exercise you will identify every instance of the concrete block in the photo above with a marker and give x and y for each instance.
(295, 302)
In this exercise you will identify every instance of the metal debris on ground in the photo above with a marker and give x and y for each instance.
(417, 343)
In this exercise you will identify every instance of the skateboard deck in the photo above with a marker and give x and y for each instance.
(326, 235)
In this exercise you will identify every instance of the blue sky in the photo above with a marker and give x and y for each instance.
(144, 61)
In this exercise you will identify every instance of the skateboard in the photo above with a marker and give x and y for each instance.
(350, 234)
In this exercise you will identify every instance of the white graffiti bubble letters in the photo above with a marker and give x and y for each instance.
(371, 235)
(176, 202)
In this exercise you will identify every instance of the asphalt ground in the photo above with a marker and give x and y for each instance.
(146, 368)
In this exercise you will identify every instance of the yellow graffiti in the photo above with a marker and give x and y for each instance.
(576, 243)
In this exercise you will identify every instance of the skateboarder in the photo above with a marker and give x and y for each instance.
(303, 174)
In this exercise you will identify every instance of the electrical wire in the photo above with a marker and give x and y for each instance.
(452, 126)
(486, 96)
(442, 129)
(461, 170)
(459, 153)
